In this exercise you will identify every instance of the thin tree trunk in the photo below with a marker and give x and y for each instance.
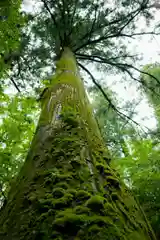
(124, 147)
(65, 189)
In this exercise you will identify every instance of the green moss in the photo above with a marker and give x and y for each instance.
(70, 118)
(58, 192)
(62, 213)
(95, 203)
(138, 235)
(107, 159)
(43, 217)
(65, 142)
(48, 196)
(83, 195)
(114, 196)
(63, 185)
(63, 202)
(100, 221)
(72, 191)
(44, 205)
(100, 167)
(59, 153)
(109, 208)
(64, 177)
(128, 217)
(94, 229)
(76, 164)
(107, 173)
(81, 210)
(48, 181)
(84, 174)
(57, 178)
(69, 224)
(107, 187)
(32, 197)
(113, 181)
(56, 236)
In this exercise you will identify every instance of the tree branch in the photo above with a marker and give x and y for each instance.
(140, 71)
(123, 66)
(63, 17)
(130, 20)
(53, 18)
(72, 18)
(85, 56)
(139, 81)
(89, 33)
(124, 116)
(14, 83)
(119, 33)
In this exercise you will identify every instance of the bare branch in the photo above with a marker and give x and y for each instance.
(123, 66)
(140, 71)
(116, 35)
(124, 116)
(93, 24)
(152, 89)
(14, 83)
(130, 20)
(85, 56)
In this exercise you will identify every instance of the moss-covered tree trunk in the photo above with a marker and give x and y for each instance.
(65, 189)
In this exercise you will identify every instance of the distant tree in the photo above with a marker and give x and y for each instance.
(135, 157)
(114, 129)
(152, 89)
(140, 170)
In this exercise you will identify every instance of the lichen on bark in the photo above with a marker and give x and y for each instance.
(66, 189)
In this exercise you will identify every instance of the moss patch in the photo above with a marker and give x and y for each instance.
(82, 195)
(63, 185)
(69, 224)
(95, 203)
(58, 192)
(82, 210)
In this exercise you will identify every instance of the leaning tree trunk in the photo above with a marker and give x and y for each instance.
(66, 190)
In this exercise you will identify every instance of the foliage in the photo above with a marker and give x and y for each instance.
(114, 129)
(18, 118)
(102, 30)
(141, 171)
(11, 20)
(152, 89)
(136, 159)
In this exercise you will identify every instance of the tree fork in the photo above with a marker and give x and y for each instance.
(66, 190)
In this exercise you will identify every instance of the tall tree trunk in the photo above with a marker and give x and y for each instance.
(65, 189)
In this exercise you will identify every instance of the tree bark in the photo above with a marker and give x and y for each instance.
(66, 190)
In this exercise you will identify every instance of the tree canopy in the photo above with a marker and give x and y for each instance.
(96, 31)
